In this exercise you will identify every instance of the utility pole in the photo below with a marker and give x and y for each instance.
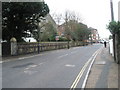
(113, 34)
(38, 37)
(112, 13)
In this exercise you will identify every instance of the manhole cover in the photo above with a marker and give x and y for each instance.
(100, 62)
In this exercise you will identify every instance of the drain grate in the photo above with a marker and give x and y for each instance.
(100, 62)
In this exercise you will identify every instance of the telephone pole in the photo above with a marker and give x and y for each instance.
(112, 13)
(113, 34)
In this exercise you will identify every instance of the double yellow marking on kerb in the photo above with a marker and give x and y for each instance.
(74, 85)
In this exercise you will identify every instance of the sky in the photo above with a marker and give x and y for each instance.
(94, 13)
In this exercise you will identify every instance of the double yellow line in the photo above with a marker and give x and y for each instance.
(76, 81)
(74, 85)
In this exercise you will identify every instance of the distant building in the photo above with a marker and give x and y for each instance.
(49, 18)
(61, 30)
(42, 26)
(94, 36)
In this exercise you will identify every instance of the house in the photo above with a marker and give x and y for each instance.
(94, 36)
(61, 30)
(49, 18)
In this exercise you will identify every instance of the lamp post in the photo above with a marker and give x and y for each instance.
(113, 34)
(38, 38)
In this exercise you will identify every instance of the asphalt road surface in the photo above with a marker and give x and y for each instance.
(65, 68)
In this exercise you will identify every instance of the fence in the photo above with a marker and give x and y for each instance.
(27, 48)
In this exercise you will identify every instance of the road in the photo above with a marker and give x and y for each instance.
(52, 69)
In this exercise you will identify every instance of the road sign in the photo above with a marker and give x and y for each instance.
(57, 38)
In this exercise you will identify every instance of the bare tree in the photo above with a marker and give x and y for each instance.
(58, 18)
(71, 20)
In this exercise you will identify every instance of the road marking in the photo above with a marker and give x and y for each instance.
(92, 58)
(27, 68)
(30, 72)
(86, 77)
(76, 81)
(32, 66)
(68, 65)
(41, 63)
(73, 52)
(63, 56)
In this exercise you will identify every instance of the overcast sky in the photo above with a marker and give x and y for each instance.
(94, 13)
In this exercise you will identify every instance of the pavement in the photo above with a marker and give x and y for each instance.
(104, 72)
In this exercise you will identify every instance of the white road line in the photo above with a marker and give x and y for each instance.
(33, 66)
(62, 56)
(73, 52)
(41, 63)
(30, 72)
(69, 65)
(26, 68)
(92, 58)
(76, 81)
(86, 77)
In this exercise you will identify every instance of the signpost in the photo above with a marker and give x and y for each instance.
(57, 38)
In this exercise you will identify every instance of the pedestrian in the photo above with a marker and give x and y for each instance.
(105, 44)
